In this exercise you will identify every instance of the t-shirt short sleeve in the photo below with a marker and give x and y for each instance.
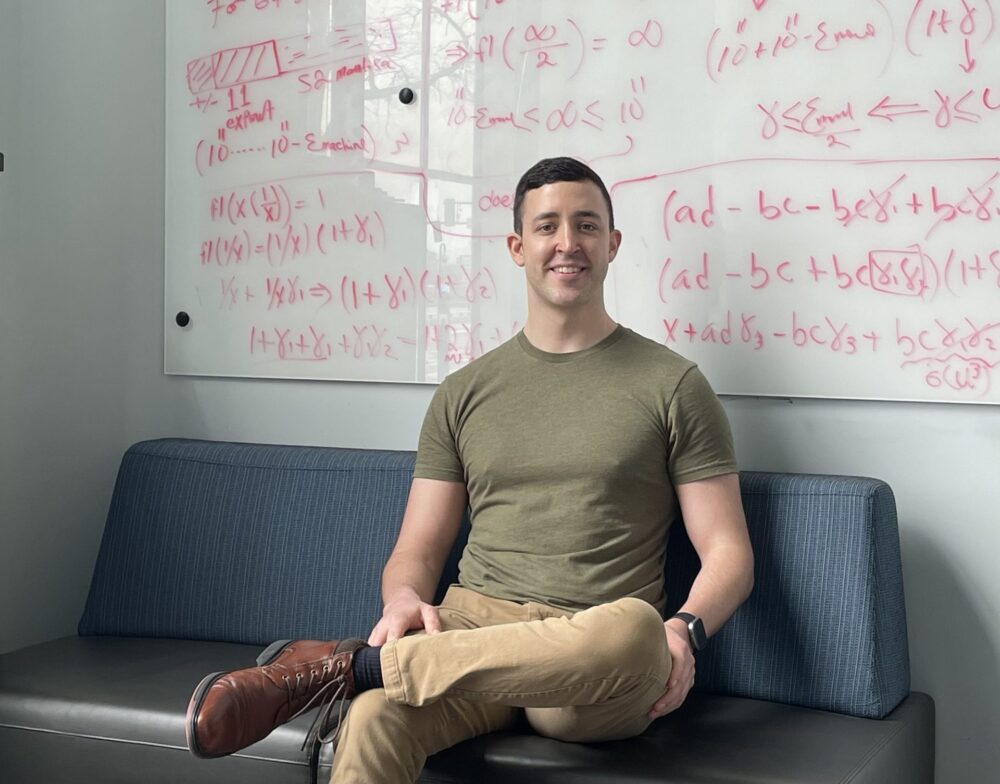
(701, 442)
(437, 450)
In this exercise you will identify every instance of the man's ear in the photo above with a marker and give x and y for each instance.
(514, 247)
(614, 243)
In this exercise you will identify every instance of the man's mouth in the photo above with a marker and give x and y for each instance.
(566, 269)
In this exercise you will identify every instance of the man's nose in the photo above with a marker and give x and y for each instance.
(567, 239)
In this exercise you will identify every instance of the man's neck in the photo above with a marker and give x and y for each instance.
(562, 333)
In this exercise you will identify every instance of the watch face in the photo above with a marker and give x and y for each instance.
(696, 633)
(696, 630)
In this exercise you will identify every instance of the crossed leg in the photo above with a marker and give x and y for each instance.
(588, 676)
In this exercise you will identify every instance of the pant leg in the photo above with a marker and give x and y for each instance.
(624, 716)
(606, 665)
(382, 742)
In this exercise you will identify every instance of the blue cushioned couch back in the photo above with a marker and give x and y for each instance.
(252, 543)
(246, 542)
(825, 626)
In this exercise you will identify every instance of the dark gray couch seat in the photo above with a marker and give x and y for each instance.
(113, 702)
(108, 702)
(718, 739)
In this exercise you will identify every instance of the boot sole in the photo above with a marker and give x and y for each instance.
(269, 654)
(194, 708)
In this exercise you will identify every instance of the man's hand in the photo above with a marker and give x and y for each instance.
(681, 677)
(402, 615)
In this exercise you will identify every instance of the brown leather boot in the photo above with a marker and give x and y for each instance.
(232, 710)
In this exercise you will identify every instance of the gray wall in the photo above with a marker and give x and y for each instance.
(81, 291)
(64, 374)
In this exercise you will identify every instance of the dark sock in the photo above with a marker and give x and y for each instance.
(367, 668)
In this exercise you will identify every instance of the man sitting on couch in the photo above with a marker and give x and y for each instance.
(574, 445)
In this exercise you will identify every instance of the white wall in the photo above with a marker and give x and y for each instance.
(10, 255)
(63, 373)
(81, 291)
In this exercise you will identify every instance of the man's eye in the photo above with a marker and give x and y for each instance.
(546, 227)
(588, 227)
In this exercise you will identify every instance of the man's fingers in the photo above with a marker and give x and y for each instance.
(663, 707)
(395, 624)
(673, 697)
(396, 630)
(385, 630)
(432, 622)
(377, 637)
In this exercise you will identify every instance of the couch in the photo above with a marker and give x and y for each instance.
(212, 550)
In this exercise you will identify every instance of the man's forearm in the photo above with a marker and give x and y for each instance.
(409, 576)
(721, 586)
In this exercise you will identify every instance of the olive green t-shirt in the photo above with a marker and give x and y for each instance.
(570, 462)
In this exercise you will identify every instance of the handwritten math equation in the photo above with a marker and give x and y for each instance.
(957, 355)
(892, 198)
(797, 182)
(457, 343)
(350, 294)
(891, 272)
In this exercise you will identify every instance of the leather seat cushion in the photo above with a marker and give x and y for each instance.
(715, 739)
(114, 706)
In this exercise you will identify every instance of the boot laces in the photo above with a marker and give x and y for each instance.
(330, 695)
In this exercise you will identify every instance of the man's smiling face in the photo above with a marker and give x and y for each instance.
(565, 245)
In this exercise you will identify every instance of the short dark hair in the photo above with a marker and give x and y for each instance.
(550, 170)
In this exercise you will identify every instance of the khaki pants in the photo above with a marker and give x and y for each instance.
(588, 676)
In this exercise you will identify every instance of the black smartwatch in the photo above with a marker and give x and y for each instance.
(696, 630)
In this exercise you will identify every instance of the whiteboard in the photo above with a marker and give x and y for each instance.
(808, 192)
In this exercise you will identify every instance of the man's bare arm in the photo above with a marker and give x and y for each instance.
(430, 524)
(715, 523)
